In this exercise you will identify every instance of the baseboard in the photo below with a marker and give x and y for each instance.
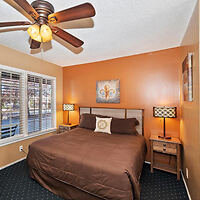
(188, 193)
(12, 163)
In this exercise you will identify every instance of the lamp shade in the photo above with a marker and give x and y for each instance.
(46, 33)
(68, 107)
(34, 32)
(164, 111)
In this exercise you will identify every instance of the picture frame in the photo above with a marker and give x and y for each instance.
(108, 91)
(187, 77)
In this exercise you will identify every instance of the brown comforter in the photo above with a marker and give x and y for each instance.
(107, 166)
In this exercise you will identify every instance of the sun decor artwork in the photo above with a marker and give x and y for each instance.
(108, 91)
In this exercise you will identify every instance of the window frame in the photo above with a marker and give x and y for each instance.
(24, 105)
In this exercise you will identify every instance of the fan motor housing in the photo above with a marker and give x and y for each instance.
(43, 8)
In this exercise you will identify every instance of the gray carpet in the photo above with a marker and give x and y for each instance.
(15, 184)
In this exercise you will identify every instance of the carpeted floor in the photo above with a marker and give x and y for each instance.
(15, 184)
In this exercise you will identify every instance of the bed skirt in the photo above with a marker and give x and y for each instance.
(59, 188)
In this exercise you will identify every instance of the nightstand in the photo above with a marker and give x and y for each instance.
(65, 127)
(171, 147)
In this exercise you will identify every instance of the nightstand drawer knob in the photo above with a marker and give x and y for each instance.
(164, 149)
(164, 145)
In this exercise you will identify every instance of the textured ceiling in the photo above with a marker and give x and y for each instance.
(120, 28)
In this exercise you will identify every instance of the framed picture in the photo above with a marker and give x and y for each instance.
(187, 70)
(108, 91)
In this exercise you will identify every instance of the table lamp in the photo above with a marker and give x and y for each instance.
(68, 107)
(164, 112)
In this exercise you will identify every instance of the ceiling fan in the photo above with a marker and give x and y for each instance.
(42, 12)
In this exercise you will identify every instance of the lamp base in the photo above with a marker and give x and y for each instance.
(68, 123)
(164, 137)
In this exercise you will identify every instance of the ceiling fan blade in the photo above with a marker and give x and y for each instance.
(67, 37)
(28, 8)
(35, 44)
(19, 23)
(78, 12)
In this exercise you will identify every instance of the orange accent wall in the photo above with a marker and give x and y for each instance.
(146, 80)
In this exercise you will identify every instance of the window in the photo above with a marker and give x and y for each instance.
(27, 102)
(39, 104)
(10, 104)
(34, 110)
(46, 104)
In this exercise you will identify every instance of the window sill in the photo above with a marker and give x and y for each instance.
(18, 138)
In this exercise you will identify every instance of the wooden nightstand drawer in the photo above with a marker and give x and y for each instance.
(164, 149)
(164, 144)
(169, 147)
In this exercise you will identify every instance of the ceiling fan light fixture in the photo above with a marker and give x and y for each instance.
(42, 12)
(45, 33)
(34, 32)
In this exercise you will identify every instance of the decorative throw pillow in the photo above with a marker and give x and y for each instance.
(103, 125)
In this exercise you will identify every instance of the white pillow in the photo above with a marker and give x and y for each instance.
(103, 125)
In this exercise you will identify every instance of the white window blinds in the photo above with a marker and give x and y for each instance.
(34, 108)
(40, 104)
(27, 104)
(10, 104)
(47, 116)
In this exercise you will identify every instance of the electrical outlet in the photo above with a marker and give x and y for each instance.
(21, 148)
(186, 173)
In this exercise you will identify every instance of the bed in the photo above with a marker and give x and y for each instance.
(85, 165)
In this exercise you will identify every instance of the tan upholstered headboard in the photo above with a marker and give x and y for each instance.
(119, 113)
